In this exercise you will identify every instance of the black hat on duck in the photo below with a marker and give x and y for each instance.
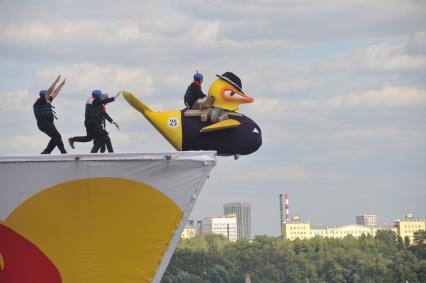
(232, 79)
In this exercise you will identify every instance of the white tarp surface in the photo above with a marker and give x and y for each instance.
(28, 181)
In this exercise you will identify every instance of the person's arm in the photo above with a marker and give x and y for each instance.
(116, 125)
(198, 92)
(52, 87)
(98, 101)
(106, 115)
(57, 90)
(111, 99)
(108, 100)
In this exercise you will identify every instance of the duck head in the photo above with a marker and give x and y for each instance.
(227, 91)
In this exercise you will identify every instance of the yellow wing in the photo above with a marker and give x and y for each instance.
(135, 102)
(168, 123)
(225, 124)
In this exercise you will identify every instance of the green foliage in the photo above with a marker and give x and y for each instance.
(383, 258)
(420, 238)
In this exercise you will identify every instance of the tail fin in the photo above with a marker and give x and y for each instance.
(136, 102)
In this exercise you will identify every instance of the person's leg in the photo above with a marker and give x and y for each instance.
(100, 149)
(88, 137)
(59, 142)
(97, 144)
(42, 127)
(109, 145)
(82, 138)
(50, 146)
(55, 137)
(103, 147)
(99, 138)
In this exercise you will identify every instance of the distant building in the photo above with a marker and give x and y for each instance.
(367, 220)
(296, 229)
(299, 229)
(408, 226)
(199, 226)
(242, 211)
(189, 231)
(225, 225)
(353, 230)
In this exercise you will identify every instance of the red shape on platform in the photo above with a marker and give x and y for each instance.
(23, 261)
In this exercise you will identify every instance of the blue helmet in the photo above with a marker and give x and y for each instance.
(96, 93)
(198, 76)
(42, 92)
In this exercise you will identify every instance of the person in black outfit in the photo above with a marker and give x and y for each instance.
(194, 92)
(45, 115)
(106, 117)
(93, 121)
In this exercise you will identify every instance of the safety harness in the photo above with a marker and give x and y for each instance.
(44, 111)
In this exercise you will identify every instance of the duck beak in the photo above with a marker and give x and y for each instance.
(233, 95)
(245, 98)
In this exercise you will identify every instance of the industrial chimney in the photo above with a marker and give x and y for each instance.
(284, 216)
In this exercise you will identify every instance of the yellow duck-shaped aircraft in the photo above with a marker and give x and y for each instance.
(222, 128)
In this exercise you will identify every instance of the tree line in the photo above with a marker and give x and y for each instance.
(383, 258)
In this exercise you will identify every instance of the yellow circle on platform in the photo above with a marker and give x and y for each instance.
(99, 229)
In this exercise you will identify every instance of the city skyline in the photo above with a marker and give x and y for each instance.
(366, 219)
(340, 100)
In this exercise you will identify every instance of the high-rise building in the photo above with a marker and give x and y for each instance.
(367, 220)
(227, 226)
(243, 212)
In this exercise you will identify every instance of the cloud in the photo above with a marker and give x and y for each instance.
(355, 126)
(83, 78)
(416, 43)
(379, 57)
(36, 33)
(16, 101)
(280, 110)
(388, 96)
(295, 85)
(93, 41)
(306, 20)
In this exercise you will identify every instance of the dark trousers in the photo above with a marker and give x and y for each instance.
(49, 129)
(89, 134)
(95, 132)
(99, 135)
(107, 144)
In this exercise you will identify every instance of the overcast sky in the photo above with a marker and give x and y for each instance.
(339, 89)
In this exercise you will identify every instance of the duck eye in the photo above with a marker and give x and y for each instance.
(229, 92)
